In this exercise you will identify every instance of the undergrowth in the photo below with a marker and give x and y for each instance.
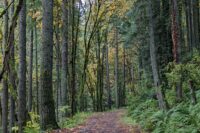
(182, 118)
(32, 126)
(78, 119)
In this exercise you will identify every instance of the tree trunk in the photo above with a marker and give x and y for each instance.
(124, 77)
(176, 38)
(116, 71)
(4, 105)
(192, 93)
(192, 23)
(188, 23)
(132, 77)
(195, 22)
(73, 86)
(75, 31)
(12, 77)
(47, 108)
(109, 100)
(98, 84)
(102, 80)
(58, 79)
(4, 100)
(157, 86)
(64, 70)
(30, 96)
(36, 69)
(22, 69)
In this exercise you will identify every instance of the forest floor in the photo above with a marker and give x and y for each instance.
(105, 122)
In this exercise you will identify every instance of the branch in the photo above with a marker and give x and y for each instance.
(86, 24)
(9, 44)
(5, 10)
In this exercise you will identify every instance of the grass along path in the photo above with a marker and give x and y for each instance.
(105, 122)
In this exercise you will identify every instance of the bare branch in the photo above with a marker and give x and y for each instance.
(5, 10)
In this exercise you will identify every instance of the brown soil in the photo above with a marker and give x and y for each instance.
(107, 122)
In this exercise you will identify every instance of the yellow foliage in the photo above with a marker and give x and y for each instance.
(118, 7)
(1, 36)
(39, 25)
(1, 61)
(36, 14)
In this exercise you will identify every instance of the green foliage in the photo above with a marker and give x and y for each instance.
(64, 109)
(78, 119)
(15, 129)
(128, 120)
(181, 118)
(32, 126)
(185, 72)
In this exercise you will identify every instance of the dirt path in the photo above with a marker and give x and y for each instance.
(107, 122)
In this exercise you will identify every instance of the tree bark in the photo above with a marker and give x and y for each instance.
(102, 80)
(176, 38)
(22, 69)
(157, 86)
(195, 24)
(4, 100)
(12, 77)
(64, 71)
(188, 23)
(98, 85)
(75, 31)
(109, 100)
(4, 105)
(47, 108)
(116, 71)
(30, 96)
(58, 79)
(124, 77)
(192, 22)
(36, 69)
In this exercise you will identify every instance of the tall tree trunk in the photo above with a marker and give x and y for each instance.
(188, 23)
(132, 77)
(47, 108)
(102, 80)
(124, 77)
(116, 71)
(64, 70)
(195, 25)
(75, 31)
(160, 96)
(30, 96)
(176, 38)
(58, 80)
(164, 38)
(4, 100)
(109, 100)
(22, 69)
(73, 86)
(12, 77)
(98, 84)
(4, 105)
(36, 69)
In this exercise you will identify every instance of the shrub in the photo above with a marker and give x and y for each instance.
(32, 126)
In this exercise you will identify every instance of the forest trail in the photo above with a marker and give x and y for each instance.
(105, 122)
